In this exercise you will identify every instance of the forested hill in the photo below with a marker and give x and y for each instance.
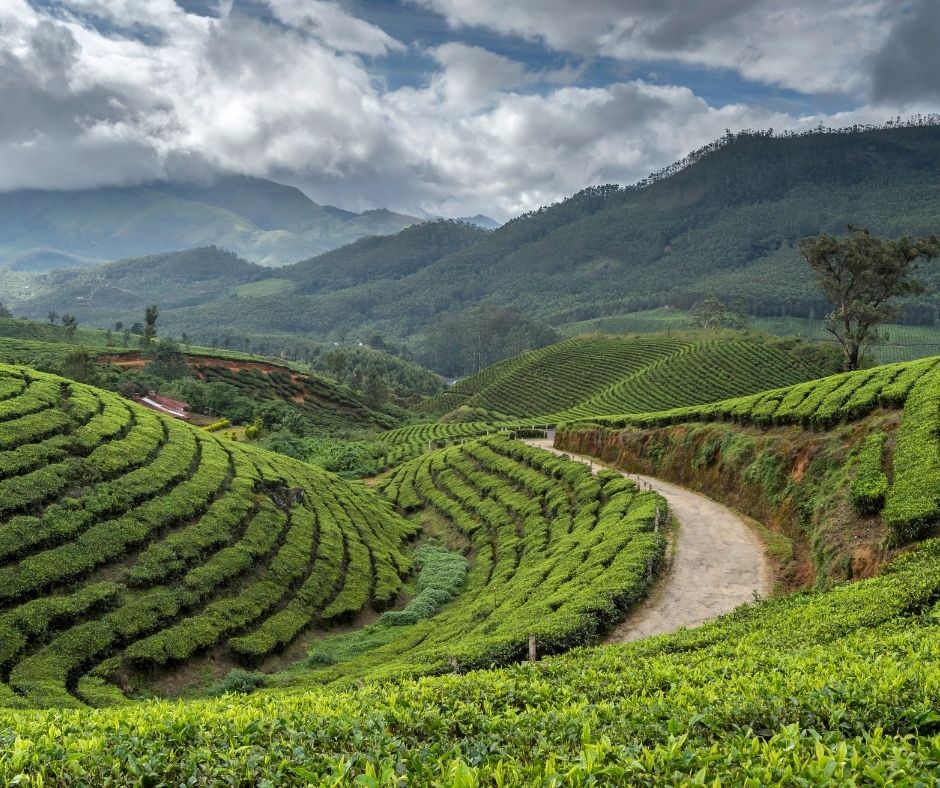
(382, 257)
(726, 220)
(726, 223)
(258, 219)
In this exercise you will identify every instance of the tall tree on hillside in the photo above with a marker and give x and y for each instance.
(52, 317)
(70, 324)
(860, 275)
(150, 325)
(708, 313)
(4, 312)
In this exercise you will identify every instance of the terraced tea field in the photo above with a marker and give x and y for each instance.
(834, 688)
(132, 541)
(905, 342)
(326, 404)
(558, 553)
(594, 376)
(912, 500)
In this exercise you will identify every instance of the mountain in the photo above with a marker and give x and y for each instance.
(171, 280)
(195, 288)
(258, 219)
(485, 222)
(725, 220)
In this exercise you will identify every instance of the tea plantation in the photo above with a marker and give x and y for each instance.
(558, 553)
(837, 688)
(595, 376)
(133, 538)
(130, 544)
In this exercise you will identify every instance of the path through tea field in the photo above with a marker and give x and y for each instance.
(717, 562)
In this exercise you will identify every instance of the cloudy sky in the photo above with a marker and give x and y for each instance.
(452, 107)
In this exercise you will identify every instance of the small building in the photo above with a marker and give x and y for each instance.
(165, 405)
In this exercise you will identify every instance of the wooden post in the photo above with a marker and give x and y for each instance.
(533, 656)
(453, 664)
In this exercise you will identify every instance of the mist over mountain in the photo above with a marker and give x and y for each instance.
(257, 219)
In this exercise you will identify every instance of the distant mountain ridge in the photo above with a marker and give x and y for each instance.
(726, 222)
(257, 219)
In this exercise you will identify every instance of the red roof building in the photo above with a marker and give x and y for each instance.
(165, 405)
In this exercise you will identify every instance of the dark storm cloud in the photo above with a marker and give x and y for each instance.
(908, 67)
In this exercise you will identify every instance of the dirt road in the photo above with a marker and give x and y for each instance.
(717, 563)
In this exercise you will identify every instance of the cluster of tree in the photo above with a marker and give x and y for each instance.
(712, 312)
(466, 342)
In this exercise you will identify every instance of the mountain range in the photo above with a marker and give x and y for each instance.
(257, 219)
(727, 220)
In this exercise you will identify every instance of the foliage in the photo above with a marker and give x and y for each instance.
(241, 682)
(861, 277)
(870, 484)
(466, 342)
(559, 554)
(814, 689)
(441, 575)
(205, 541)
(166, 360)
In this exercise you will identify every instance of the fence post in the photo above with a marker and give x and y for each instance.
(533, 656)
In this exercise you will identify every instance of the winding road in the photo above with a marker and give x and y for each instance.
(717, 562)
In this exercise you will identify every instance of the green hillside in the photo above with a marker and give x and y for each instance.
(255, 218)
(133, 542)
(556, 553)
(814, 689)
(726, 220)
(817, 688)
(593, 376)
(599, 374)
(905, 342)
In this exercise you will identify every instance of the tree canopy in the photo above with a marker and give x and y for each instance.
(861, 276)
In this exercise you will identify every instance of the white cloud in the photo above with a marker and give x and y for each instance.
(333, 26)
(805, 45)
(296, 99)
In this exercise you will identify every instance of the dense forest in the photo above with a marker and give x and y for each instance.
(726, 220)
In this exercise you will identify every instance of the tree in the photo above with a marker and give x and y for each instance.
(70, 324)
(167, 360)
(4, 312)
(80, 365)
(52, 317)
(150, 324)
(710, 312)
(374, 390)
(860, 275)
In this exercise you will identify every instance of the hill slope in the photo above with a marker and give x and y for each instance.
(727, 220)
(602, 374)
(257, 219)
(128, 535)
(817, 688)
